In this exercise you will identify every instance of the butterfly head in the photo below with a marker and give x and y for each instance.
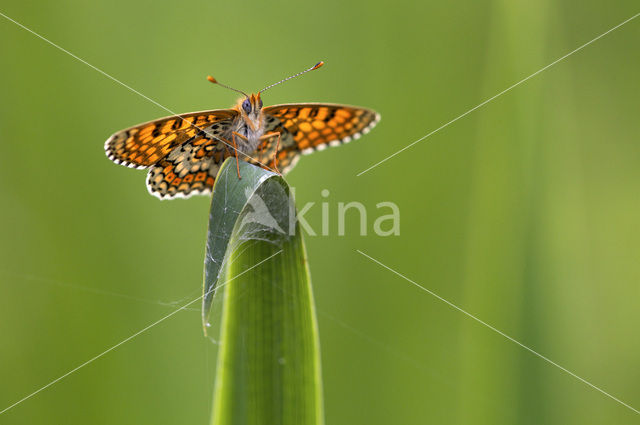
(250, 108)
(252, 105)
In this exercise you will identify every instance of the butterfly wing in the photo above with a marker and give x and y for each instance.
(143, 145)
(307, 127)
(190, 169)
(183, 152)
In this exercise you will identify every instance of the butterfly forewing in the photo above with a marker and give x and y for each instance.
(145, 144)
(306, 127)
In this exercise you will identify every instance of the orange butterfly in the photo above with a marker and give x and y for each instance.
(184, 153)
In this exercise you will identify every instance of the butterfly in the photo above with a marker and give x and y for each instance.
(184, 153)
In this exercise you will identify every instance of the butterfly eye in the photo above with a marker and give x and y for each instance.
(246, 105)
(260, 103)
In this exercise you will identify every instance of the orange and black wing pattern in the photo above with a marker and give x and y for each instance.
(183, 152)
(143, 145)
(307, 127)
(188, 170)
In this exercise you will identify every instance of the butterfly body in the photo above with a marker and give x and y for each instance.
(248, 124)
(185, 152)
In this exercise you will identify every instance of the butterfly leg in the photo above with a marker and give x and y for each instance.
(275, 157)
(235, 147)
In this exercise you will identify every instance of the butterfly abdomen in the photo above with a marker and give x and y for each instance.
(249, 137)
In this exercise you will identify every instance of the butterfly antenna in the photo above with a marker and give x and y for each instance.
(316, 66)
(214, 81)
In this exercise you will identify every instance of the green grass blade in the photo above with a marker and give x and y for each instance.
(231, 195)
(268, 368)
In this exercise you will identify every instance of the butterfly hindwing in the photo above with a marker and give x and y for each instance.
(188, 170)
(146, 144)
(306, 127)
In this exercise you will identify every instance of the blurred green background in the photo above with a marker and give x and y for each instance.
(524, 213)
